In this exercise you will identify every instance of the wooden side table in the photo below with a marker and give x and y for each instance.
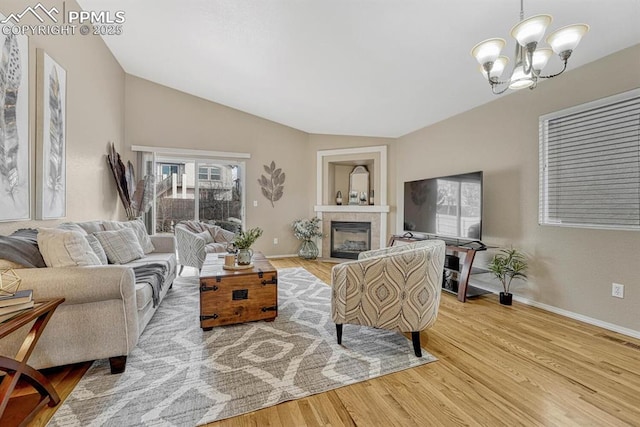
(17, 367)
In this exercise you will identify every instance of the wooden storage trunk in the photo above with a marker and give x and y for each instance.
(228, 297)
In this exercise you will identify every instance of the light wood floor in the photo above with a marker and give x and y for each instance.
(497, 366)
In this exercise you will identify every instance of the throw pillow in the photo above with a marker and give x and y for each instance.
(220, 235)
(65, 248)
(97, 248)
(121, 246)
(139, 229)
(91, 226)
(208, 238)
(22, 248)
(72, 226)
(141, 233)
(112, 226)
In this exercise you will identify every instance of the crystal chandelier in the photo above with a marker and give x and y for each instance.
(530, 59)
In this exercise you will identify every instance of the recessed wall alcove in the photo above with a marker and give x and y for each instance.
(333, 170)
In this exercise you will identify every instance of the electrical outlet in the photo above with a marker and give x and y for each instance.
(255, 203)
(617, 290)
(275, 240)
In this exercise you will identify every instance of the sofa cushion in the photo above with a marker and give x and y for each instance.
(65, 248)
(141, 233)
(72, 226)
(157, 257)
(93, 242)
(138, 228)
(91, 226)
(121, 246)
(97, 248)
(144, 295)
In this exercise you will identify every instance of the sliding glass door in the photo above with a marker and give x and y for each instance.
(208, 190)
(219, 194)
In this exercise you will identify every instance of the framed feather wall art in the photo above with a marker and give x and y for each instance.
(15, 203)
(51, 184)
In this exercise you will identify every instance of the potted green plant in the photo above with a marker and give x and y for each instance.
(307, 230)
(243, 242)
(509, 264)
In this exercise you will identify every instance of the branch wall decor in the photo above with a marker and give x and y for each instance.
(272, 187)
(51, 201)
(14, 127)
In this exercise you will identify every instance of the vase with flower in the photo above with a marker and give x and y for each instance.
(307, 230)
(243, 242)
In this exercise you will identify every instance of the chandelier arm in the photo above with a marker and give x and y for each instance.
(500, 92)
(556, 74)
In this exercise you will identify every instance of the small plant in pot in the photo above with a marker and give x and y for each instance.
(243, 242)
(508, 265)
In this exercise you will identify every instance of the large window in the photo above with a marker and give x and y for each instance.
(590, 164)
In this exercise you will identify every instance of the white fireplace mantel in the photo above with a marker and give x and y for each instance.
(376, 214)
(351, 208)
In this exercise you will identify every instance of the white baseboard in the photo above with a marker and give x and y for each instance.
(570, 314)
(281, 256)
(586, 319)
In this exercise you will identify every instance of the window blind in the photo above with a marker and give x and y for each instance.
(590, 164)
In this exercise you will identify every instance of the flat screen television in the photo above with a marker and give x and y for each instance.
(446, 206)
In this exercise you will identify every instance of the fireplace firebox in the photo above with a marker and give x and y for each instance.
(348, 239)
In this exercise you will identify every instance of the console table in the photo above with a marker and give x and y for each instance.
(459, 262)
(17, 367)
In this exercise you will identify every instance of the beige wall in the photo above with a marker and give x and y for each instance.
(95, 116)
(162, 117)
(571, 268)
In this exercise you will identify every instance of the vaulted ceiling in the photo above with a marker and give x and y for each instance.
(348, 67)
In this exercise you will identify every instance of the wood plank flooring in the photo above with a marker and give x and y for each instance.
(511, 366)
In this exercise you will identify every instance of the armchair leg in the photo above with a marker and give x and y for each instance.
(339, 332)
(181, 268)
(417, 349)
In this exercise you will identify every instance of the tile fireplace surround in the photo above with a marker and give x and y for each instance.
(373, 218)
(327, 210)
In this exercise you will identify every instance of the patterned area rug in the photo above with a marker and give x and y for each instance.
(180, 375)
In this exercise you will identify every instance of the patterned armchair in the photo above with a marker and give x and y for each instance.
(194, 240)
(395, 288)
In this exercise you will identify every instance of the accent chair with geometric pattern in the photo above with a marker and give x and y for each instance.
(395, 288)
(195, 239)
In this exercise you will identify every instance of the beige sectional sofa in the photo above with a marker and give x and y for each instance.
(104, 312)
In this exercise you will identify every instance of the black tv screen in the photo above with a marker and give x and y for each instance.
(447, 206)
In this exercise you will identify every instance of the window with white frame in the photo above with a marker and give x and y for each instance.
(590, 164)
(209, 174)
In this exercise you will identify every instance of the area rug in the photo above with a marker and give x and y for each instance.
(179, 375)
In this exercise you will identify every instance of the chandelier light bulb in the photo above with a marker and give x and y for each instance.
(488, 50)
(540, 58)
(531, 30)
(498, 68)
(520, 80)
(567, 38)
